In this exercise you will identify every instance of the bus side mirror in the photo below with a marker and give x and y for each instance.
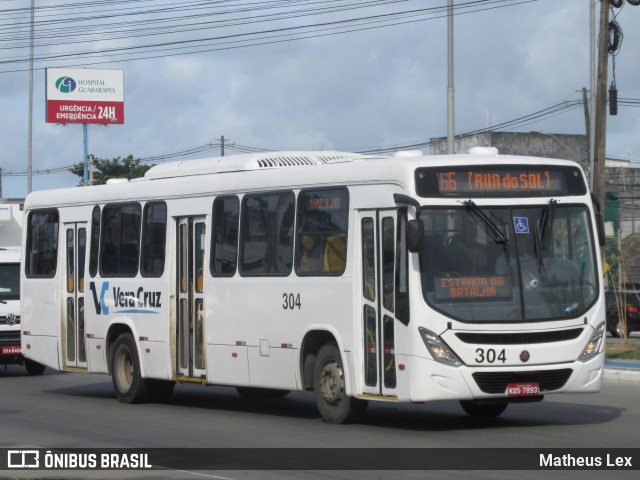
(415, 236)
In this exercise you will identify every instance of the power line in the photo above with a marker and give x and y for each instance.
(243, 39)
(538, 115)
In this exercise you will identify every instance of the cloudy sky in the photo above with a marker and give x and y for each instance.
(348, 75)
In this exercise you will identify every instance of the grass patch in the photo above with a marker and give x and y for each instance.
(619, 351)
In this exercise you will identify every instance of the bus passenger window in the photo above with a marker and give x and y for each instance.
(154, 232)
(267, 234)
(120, 240)
(224, 238)
(41, 256)
(322, 231)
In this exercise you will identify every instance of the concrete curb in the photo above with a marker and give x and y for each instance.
(622, 374)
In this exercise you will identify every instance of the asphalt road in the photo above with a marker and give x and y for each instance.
(74, 410)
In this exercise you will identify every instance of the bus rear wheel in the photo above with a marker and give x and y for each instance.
(334, 405)
(478, 409)
(127, 381)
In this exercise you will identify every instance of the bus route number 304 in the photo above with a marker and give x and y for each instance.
(291, 301)
(490, 355)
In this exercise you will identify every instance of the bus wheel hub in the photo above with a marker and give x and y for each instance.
(331, 383)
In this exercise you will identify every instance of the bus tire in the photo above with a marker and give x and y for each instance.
(34, 368)
(477, 409)
(127, 381)
(252, 393)
(334, 405)
(160, 390)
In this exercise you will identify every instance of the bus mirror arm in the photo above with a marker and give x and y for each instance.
(415, 228)
(402, 199)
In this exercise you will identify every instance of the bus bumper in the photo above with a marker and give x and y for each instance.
(430, 380)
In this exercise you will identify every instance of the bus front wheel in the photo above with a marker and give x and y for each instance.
(334, 404)
(127, 381)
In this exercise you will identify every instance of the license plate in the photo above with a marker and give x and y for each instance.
(523, 389)
(11, 351)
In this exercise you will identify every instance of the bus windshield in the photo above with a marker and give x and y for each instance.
(508, 264)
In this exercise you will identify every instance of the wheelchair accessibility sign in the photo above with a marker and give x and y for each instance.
(521, 225)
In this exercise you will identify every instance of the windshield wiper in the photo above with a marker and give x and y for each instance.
(546, 220)
(542, 233)
(487, 224)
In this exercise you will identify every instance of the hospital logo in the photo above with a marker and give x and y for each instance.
(66, 84)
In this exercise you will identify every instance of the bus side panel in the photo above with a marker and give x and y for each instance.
(97, 356)
(228, 365)
(272, 367)
(41, 349)
(271, 317)
(154, 360)
(42, 307)
(40, 319)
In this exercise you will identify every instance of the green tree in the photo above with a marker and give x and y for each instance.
(104, 169)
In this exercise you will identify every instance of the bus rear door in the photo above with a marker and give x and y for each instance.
(190, 326)
(74, 346)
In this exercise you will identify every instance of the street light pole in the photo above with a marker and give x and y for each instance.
(30, 135)
(592, 90)
(450, 102)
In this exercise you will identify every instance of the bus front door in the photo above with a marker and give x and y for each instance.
(190, 325)
(74, 346)
(378, 243)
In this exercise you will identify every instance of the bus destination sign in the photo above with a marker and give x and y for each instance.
(499, 181)
(489, 287)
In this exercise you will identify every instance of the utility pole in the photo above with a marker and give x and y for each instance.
(587, 121)
(222, 145)
(450, 97)
(592, 89)
(30, 134)
(601, 106)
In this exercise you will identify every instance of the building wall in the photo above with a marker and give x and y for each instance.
(536, 144)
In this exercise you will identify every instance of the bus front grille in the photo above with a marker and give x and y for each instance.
(11, 337)
(496, 382)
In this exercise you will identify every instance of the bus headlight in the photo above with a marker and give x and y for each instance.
(439, 350)
(593, 347)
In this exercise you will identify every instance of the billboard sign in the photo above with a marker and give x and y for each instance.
(78, 95)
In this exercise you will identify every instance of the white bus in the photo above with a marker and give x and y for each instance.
(10, 238)
(330, 272)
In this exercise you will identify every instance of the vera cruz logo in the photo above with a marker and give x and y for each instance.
(98, 302)
(137, 300)
(66, 84)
